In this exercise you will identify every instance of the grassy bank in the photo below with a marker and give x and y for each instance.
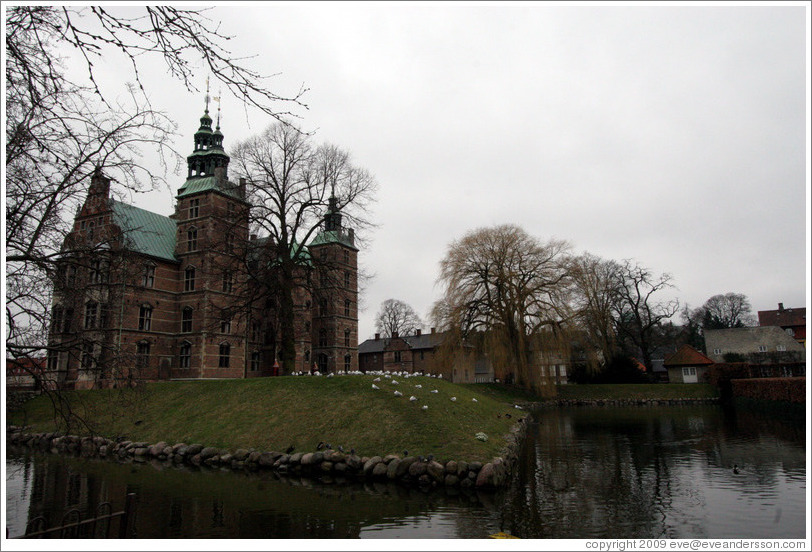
(274, 413)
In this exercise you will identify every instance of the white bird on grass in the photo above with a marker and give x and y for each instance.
(474, 399)
(394, 382)
(453, 399)
(377, 379)
(398, 394)
(434, 391)
(424, 407)
(375, 386)
(412, 398)
(418, 386)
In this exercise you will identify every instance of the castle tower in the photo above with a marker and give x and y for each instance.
(212, 232)
(335, 295)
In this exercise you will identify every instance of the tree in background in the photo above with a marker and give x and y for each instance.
(513, 290)
(638, 315)
(593, 299)
(729, 310)
(291, 183)
(397, 317)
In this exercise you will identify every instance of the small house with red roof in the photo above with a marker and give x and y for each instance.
(687, 365)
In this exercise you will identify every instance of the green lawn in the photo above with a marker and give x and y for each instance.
(273, 413)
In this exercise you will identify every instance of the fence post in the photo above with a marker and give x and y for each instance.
(128, 519)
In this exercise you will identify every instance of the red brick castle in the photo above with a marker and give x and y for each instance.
(139, 295)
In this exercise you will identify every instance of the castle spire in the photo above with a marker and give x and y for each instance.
(207, 94)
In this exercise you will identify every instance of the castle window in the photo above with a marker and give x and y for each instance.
(104, 315)
(191, 239)
(68, 320)
(98, 272)
(230, 209)
(225, 355)
(145, 318)
(86, 361)
(254, 361)
(54, 361)
(256, 331)
(347, 279)
(307, 356)
(323, 307)
(91, 312)
(347, 337)
(225, 325)
(347, 305)
(229, 242)
(142, 354)
(194, 208)
(322, 337)
(185, 356)
(228, 281)
(780, 347)
(189, 279)
(762, 348)
(347, 362)
(186, 320)
(346, 257)
(149, 276)
(307, 326)
(57, 319)
(90, 229)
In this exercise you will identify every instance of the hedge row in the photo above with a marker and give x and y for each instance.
(772, 389)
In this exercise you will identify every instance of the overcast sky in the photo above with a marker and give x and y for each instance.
(674, 135)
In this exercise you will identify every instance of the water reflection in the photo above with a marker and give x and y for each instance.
(583, 473)
(664, 472)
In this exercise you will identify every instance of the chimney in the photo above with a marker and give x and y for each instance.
(780, 306)
(419, 331)
(394, 335)
(433, 330)
(377, 337)
(242, 187)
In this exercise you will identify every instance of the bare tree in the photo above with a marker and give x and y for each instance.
(397, 317)
(593, 300)
(637, 313)
(729, 310)
(512, 289)
(292, 184)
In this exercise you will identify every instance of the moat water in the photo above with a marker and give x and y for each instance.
(644, 472)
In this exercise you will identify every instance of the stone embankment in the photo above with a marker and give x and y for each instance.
(327, 465)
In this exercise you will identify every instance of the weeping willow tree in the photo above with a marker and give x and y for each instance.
(506, 296)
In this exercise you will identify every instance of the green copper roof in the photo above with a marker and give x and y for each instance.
(204, 184)
(334, 236)
(146, 232)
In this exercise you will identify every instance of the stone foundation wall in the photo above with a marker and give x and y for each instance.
(326, 465)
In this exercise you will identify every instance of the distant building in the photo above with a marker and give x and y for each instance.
(687, 365)
(420, 353)
(756, 345)
(22, 374)
(792, 321)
